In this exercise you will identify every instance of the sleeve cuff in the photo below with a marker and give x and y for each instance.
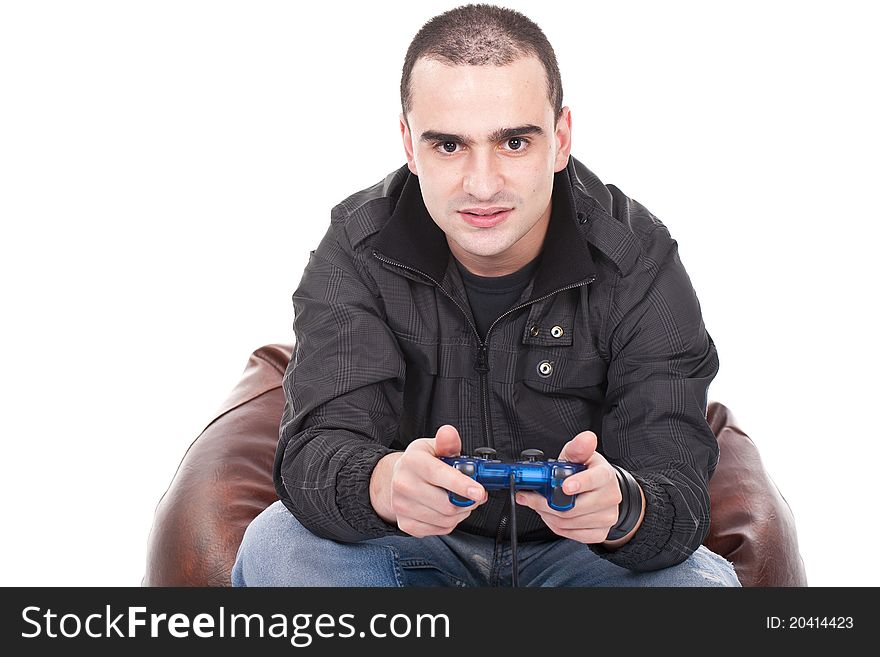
(653, 535)
(353, 494)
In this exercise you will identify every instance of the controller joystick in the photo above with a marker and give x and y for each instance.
(529, 473)
(531, 455)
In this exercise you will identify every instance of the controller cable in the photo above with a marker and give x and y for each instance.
(514, 566)
(628, 512)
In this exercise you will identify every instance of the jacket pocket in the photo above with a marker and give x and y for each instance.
(549, 371)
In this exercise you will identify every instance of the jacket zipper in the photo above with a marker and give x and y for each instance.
(496, 557)
(502, 524)
(482, 364)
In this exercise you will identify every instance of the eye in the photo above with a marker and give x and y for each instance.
(446, 147)
(516, 144)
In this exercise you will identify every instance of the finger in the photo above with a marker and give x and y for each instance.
(578, 482)
(447, 442)
(445, 514)
(407, 498)
(439, 504)
(580, 448)
(587, 536)
(595, 500)
(443, 475)
(531, 500)
(600, 476)
(538, 503)
(427, 483)
(420, 529)
(596, 520)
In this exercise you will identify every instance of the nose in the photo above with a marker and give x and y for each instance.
(482, 177)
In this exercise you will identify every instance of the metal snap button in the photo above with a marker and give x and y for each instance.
(545, 368)
(556, 331)
(535, 331)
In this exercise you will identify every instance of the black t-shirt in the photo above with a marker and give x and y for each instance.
(491, 296)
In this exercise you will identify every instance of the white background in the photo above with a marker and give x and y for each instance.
(165, 168)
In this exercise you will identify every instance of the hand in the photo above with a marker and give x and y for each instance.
(598, 494)
(411, 487)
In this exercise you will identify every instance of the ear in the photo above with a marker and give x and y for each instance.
(563, 140)
(407, 144)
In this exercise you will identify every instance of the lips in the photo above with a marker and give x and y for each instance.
(484, 217)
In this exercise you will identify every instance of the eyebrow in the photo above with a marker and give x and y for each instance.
(498, 135)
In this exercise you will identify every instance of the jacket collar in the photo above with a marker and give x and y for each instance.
(411, 238)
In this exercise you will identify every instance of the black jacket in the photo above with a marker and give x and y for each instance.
(386, 352)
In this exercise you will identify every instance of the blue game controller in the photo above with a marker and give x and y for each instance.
(529, 473)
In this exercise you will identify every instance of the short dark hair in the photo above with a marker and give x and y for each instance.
(481, 35)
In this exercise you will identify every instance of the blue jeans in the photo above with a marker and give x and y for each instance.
(278, 551)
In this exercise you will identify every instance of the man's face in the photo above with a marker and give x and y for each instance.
(484, 143)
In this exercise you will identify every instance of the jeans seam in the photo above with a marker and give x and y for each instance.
(415, 562)
(395, 564)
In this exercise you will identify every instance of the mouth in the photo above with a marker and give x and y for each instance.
(484, 217)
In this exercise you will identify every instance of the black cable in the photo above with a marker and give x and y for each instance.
(515, 566)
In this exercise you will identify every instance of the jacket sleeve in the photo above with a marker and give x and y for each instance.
(661, 362)
(343, 392)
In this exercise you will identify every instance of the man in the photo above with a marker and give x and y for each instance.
(491, 293)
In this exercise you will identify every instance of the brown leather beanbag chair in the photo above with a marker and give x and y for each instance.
(225, 480)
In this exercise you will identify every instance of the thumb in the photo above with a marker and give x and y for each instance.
(580, 448)
(447, 442)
